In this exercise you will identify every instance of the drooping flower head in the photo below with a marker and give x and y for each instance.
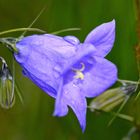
(69, 70)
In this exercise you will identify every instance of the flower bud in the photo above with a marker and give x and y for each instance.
(7, 98)
(112, 98)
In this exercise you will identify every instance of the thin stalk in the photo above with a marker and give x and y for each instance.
(42, 10)
(119, 110)
(10, 44)
(65, 30)
(21, 29)
(128, 81)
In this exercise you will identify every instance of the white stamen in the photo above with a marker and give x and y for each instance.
(79, 74)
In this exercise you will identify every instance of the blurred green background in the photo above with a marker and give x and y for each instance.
(34, 120)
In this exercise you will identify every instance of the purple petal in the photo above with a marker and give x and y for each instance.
(42, 58)
(73, 97)
(102, 37)
(45, 57)
(61, 108)
(100, 77)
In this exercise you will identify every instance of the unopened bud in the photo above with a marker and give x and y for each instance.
(7, 98)
(112, 98)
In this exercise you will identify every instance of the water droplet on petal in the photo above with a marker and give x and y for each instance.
(72, 39)
(57, 68)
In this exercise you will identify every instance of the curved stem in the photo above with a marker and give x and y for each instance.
(65, 30)
(10, 43)
(21, 29)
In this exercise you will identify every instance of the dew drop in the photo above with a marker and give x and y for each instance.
(72, 39)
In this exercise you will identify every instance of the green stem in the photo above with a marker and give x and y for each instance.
(42, 10)
(65, 30)
(128, 81)
(118, 111)
(21, 29)
(125, 117)
(10, 43)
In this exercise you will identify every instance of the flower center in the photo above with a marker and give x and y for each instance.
(78, 72)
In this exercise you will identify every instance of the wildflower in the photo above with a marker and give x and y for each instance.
(69, 70)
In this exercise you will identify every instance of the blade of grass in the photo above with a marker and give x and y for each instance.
(65, 30)
(21, 29)
(37, 17)
(119, 110)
